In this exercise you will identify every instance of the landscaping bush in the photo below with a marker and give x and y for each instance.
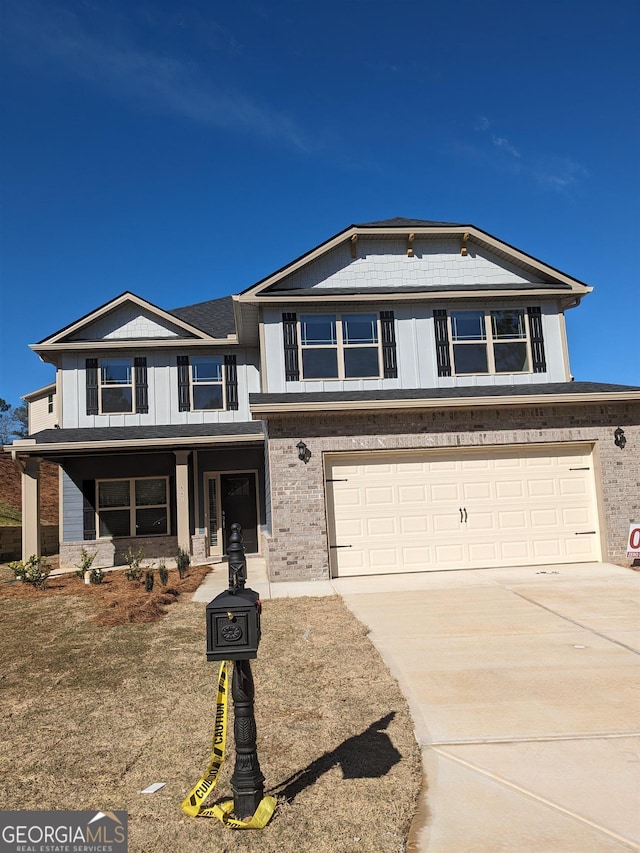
(133, 560)
(148, 581)
(34, 571)
(183, 561)
(86, 560)
(163, 573)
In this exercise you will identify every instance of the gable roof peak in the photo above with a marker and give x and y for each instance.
(404, 222)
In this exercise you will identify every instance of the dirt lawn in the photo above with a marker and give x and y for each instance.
(93, 713)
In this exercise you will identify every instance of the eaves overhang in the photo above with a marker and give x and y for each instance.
(263, 405)
(259, 291)
(80, 441)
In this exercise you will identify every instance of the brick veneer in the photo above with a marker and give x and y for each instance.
(297, 547)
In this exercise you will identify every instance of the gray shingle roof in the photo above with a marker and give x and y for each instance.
(215, 316)
(133, 433)
(403, 222)
(551, 388)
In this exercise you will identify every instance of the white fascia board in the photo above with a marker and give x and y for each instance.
(116, 303)
(31, 446)
(40, 392)
(414, 296)
(477, 234)
(446, 403)
(135, 344)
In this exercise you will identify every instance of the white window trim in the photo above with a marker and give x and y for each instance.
(133, 507)
(131, 385)
(340, 346)
(489, 341)
(222, 383)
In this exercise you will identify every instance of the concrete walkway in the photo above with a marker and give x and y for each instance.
(523, 685)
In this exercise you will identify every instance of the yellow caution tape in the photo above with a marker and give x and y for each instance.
(193, 802)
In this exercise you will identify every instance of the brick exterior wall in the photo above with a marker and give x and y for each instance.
(297, 548)
(11, 541)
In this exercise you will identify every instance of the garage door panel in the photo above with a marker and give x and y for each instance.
(414, 524)
(402, 511)
(477, 491)
(412, 494)
(510, 489)
(510, 520)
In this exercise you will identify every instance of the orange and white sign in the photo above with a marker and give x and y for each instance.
(633, 543)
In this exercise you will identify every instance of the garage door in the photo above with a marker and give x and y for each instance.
(430, 510)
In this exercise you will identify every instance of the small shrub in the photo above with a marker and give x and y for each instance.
(34, 571)
(96, 575)
(183, 561)
(148, 581)
(133, 560)
(163, 573)
(86, 560)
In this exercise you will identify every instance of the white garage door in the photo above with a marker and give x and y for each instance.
(431, 510)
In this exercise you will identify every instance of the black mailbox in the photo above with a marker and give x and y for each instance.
(233, 625)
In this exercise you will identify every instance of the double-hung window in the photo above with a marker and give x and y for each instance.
(490, 342)
(207, 385)
(340, 346)
(116, 386)
(136, 507)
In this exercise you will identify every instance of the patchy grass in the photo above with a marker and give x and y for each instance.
(9, 515)
(92, 714)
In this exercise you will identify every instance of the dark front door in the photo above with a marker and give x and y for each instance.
(238, 492)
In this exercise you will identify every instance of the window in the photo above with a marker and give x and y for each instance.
(50, 404)
(116, 386)
(207, 382)
(490, 342)
(133, 507)
(337, 346)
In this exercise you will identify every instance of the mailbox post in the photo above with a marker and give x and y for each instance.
(233, 633)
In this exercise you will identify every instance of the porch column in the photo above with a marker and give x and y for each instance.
(182, 499)
(31, 508)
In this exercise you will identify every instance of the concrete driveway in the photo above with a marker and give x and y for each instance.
(523, 685)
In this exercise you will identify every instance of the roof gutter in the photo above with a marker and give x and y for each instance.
(297, 407)
(31, 447)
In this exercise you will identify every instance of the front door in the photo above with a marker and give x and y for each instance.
(239, 505)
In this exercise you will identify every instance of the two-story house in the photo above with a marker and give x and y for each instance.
(397, 399)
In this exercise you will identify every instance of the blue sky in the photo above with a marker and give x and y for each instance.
(185, 150)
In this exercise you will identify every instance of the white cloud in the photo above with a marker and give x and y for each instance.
(37, 34)
(503, 142)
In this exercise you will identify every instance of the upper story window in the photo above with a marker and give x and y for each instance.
(490, 342)
(207, 383)
(116, 386)
(335, 346)
(50, 404)
(207, 386)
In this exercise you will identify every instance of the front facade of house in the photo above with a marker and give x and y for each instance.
(397, 399)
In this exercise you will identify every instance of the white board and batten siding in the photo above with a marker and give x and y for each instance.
(413, 511)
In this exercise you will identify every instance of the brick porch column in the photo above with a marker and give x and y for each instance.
(182, 499)
(31, 508)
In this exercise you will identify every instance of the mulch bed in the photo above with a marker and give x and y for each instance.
(116, 601)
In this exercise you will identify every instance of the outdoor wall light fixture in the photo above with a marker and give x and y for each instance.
(304, 454)
(619, 438)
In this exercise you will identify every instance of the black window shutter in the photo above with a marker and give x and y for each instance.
(290, 332)
(389, 360)
(442, 342)
(89, 509)
(537, 340)
(142, 392)
(231, 381)
(184, 402)
(91, 371)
